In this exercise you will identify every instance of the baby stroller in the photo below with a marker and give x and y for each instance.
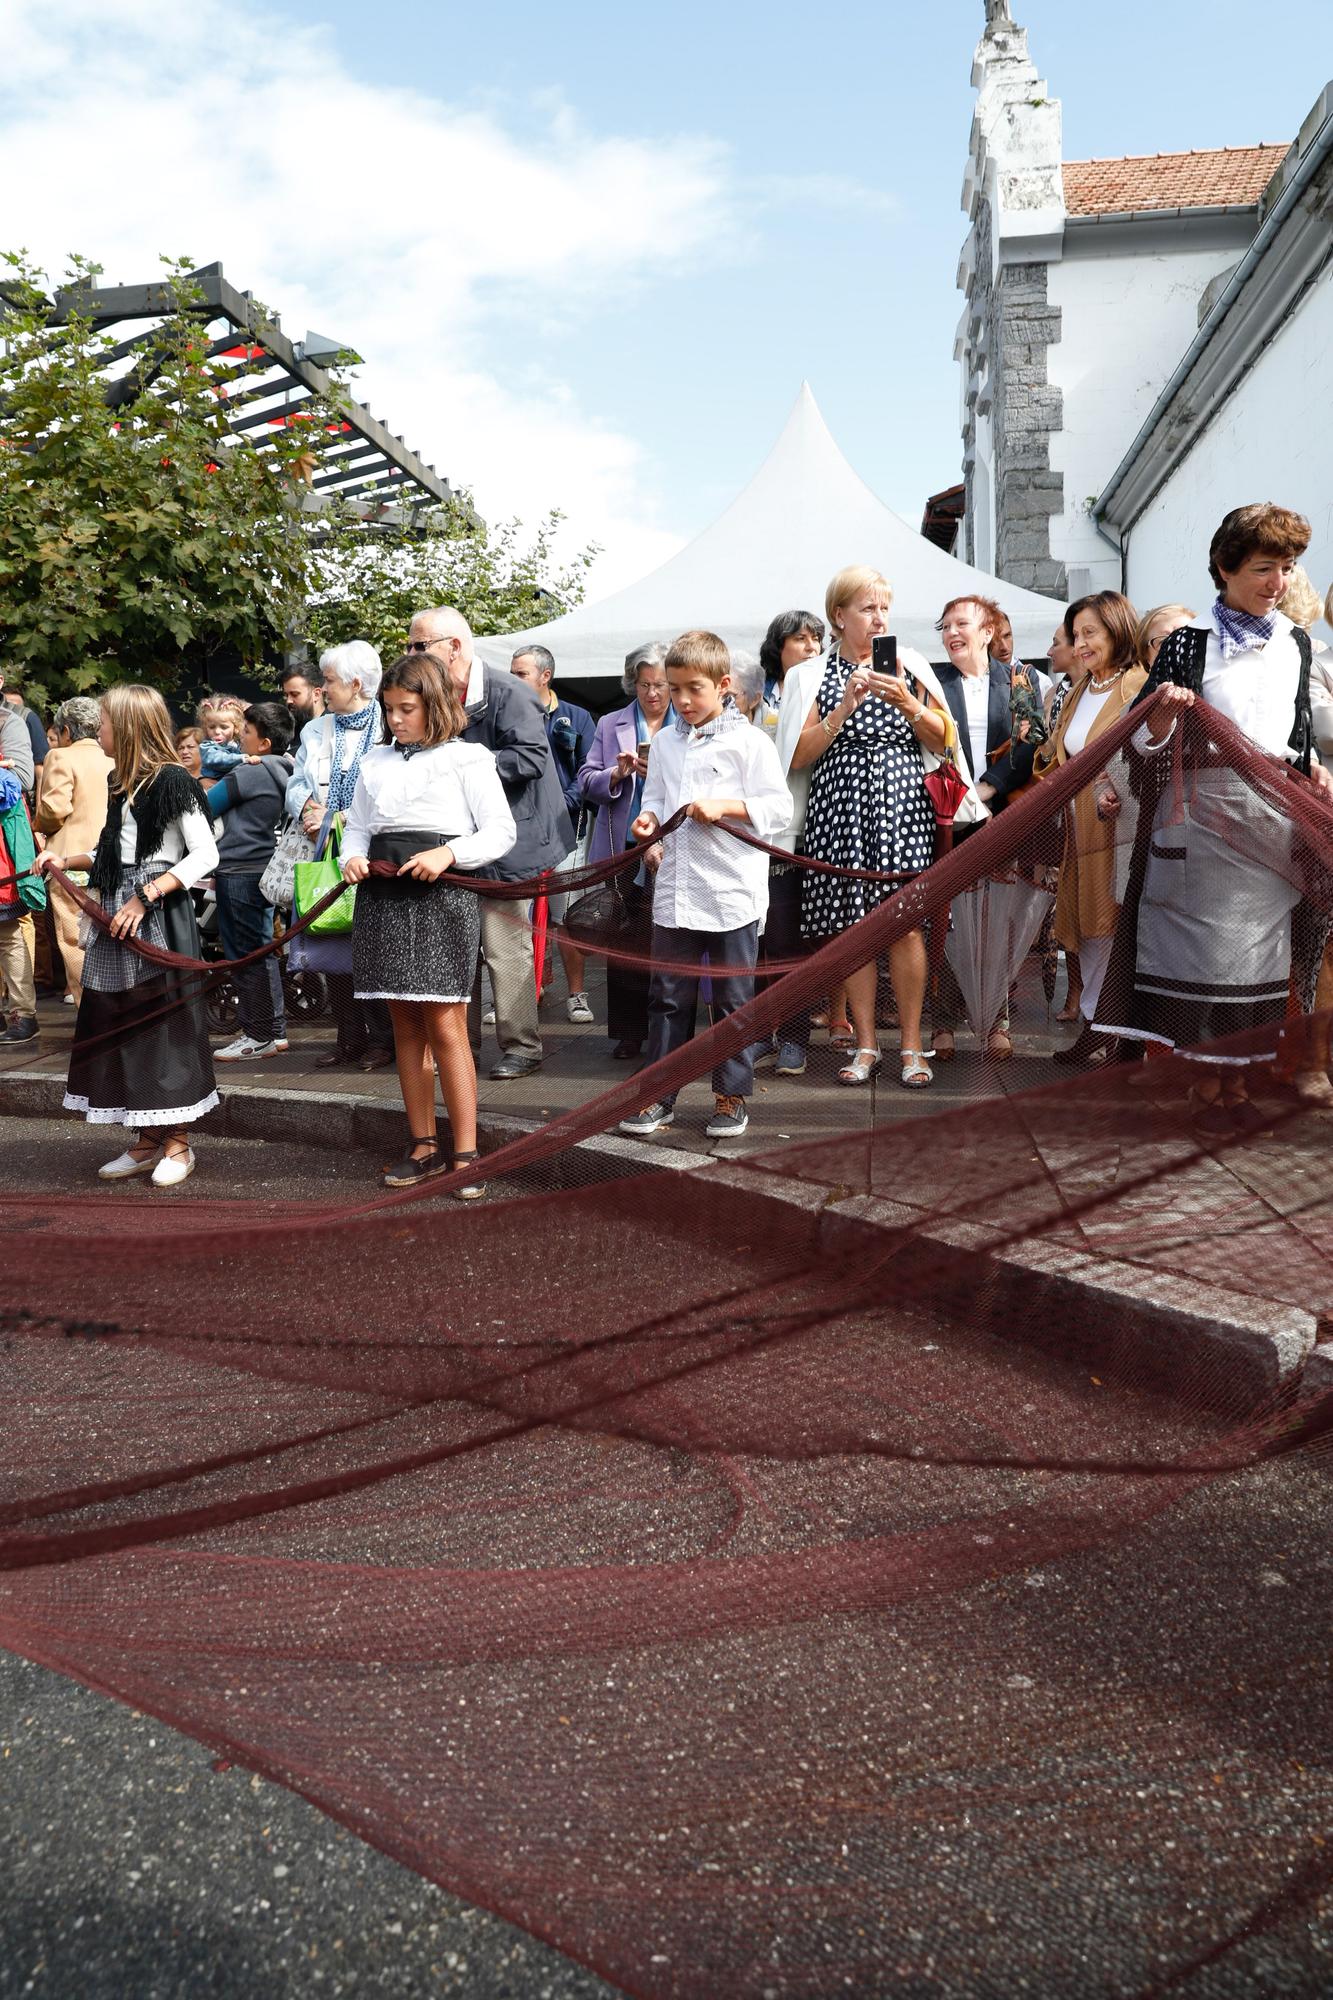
(305, 994)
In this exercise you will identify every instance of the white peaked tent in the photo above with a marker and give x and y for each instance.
(803, 516)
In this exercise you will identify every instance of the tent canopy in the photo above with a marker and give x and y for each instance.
(804, 516)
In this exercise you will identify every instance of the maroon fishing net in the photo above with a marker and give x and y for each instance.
(809, 1573)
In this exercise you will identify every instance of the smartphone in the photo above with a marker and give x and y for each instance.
(884, 654)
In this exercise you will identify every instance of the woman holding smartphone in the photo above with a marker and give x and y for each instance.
(612, 781)
(427, 803)
(861, 735)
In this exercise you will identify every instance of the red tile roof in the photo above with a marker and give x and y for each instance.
(1216, 179)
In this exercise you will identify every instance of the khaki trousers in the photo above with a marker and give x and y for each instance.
(66, 916)
(17, 941)
(506, 946)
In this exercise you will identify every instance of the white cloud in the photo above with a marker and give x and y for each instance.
(391, 218)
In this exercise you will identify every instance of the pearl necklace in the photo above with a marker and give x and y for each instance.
(1100, 687)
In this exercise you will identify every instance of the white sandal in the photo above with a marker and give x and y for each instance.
(917, 1072)
(861, 1067)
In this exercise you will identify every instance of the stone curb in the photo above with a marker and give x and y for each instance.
(1220, 1347)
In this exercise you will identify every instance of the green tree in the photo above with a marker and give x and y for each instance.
(368, 581)
(140, 538)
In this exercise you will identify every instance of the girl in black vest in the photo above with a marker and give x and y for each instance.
(141, 1053)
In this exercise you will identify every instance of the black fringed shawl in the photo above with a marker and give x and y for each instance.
(165, 798)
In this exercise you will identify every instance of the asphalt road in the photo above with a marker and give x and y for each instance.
(1065, 1757)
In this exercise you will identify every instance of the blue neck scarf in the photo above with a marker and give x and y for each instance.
(353, 735)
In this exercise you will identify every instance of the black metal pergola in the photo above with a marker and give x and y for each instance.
(367, 470)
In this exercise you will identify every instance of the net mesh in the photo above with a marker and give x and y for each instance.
(809, 1573)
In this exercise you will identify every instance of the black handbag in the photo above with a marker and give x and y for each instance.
(612, 915)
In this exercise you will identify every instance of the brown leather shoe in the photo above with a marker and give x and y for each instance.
(333, 1059)
(376, 1059)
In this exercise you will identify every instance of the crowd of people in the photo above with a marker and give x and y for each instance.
(828, 749)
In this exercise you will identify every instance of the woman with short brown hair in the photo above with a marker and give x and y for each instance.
(1204, 947)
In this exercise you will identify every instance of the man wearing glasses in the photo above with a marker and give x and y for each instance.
(502, 714)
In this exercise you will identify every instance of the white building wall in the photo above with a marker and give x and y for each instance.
(1127, 316)
(1272, 441)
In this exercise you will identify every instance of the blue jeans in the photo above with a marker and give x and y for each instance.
(245, 921)
(673, 996)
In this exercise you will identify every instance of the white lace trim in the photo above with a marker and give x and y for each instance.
(134, 1121)
(424, 999)
(1205, 1057)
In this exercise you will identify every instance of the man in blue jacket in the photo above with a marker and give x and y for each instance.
(569, 733)
(501, 714)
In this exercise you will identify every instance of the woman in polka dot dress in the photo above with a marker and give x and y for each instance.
(863, 739)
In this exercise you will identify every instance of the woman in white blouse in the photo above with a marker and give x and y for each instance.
(427, 803)
(1204, 947)
(141, 1054)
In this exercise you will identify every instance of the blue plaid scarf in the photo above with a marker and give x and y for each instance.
(1238, 632)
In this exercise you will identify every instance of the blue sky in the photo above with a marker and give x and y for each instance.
(759, 193)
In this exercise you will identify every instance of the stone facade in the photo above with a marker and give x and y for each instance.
(1026, 413)
(1011, 409)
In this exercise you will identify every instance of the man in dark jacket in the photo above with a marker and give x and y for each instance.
(502, 714)
(569, 732)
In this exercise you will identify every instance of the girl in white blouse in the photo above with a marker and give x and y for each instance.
(428, 803)
(141, 1055)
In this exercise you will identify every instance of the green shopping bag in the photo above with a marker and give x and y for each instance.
(313, 879)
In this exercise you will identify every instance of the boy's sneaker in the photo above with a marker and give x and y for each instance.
(578, 1009)
(763, 1054)
(246, 1049)
(644, 1123)
(729, 1119)
(791, 1059)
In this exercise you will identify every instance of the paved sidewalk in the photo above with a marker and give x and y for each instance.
(578, 1067)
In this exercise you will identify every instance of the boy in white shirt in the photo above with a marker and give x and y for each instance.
(711, 890)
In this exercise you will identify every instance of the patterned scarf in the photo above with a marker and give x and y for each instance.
(721, 725)
(342, 774)
(1238, 632)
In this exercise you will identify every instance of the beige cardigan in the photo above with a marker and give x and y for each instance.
(72, 808)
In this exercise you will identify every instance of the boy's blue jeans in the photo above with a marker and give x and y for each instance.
(673, 996)
(245, 921)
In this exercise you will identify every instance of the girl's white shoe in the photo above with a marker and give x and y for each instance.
(172, 1169)
(124, 1167)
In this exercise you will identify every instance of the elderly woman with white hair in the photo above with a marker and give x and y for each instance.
(321, 785)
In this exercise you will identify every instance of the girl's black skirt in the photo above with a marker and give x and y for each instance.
(141, 1054)
(413, 940)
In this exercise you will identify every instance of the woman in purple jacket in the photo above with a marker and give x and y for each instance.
(612, 780)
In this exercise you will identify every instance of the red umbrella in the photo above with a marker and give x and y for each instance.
(539, 921)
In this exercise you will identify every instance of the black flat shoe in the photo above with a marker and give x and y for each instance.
(1244, 1114)
(509, 1068)
(1091, 1049)
(410, 1172)
(335, 1058)
(627, 1052)
(472, 1190)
